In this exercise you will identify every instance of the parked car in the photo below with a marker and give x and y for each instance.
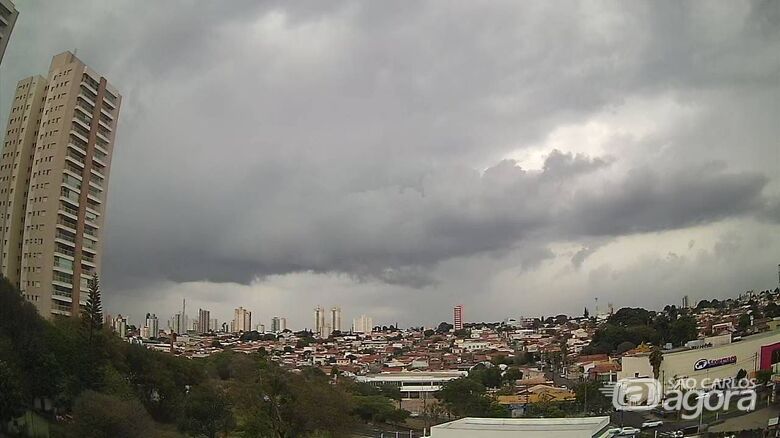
(652, 423)
(629, 431)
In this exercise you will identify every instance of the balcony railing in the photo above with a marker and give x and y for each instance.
(65, 237)
(68, 209)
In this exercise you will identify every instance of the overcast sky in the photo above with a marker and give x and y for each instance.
(398, 158)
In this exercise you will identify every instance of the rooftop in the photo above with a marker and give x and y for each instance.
(584, 424)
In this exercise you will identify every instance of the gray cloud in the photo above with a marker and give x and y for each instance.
(378, 141)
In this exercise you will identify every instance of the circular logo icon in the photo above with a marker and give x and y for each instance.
(701, 364)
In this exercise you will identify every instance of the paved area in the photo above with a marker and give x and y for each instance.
(753, 420)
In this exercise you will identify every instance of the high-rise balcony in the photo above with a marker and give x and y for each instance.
(101, 149)
(79, 132)
(68, 210)
(89, 87)
(67, 238)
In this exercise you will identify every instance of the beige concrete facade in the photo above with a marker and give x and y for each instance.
(8, 14)
(54, 172)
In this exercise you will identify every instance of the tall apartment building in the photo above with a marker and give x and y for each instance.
(119, 324)
(242, 320)
(457, 317)
(178, 324)
(319, 321)
(153, 324)
(8, 14)
(54, 171)
(283, 324)
(363, 324)
(335, 318)
(204, 319)
(276, 324)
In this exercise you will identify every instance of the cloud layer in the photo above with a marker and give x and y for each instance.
(400, 158)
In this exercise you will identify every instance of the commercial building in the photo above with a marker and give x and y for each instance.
(8, 14)
(242, 320)
(583, 427)
(54, 172)
(717, 357)
(457, 317)
(416, 386)
(363, 324)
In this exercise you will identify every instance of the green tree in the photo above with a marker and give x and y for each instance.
(744, 321)
(511, 375)
(656, 358)
(207, 412)
(683, 329)
(466, 397)
(590, 398)
(376, 408)
(93, 309)
(625, 346)
(443, 327)
(98, 415)
(629, 316)
(11, 397)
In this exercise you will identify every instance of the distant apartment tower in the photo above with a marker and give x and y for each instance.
(335, 319)
(204, 319)
(319, 321)
(363, 324)
(276, 324)
(152, 325)
(261, 328)
(457, 317)
(54, 172)
(242, 320)
(8, 14)
(685, 303)
(283, 324)
(119, 324)
(178, 324)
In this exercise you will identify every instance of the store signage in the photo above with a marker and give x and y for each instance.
(703, 364)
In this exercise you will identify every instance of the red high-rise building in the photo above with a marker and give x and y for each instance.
(457, 319)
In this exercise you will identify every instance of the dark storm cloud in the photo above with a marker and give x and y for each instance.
(371, 139)
(652, 200)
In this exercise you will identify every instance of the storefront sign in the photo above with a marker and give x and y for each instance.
(703, 364)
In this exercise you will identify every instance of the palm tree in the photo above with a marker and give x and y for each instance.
(656, 358)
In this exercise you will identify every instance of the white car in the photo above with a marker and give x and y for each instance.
(652, 423)
(628, 431)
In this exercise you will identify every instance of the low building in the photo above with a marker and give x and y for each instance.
(585, 427)
(416, 386)
(711, 361)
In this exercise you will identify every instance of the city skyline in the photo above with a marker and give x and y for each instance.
(641, 171)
